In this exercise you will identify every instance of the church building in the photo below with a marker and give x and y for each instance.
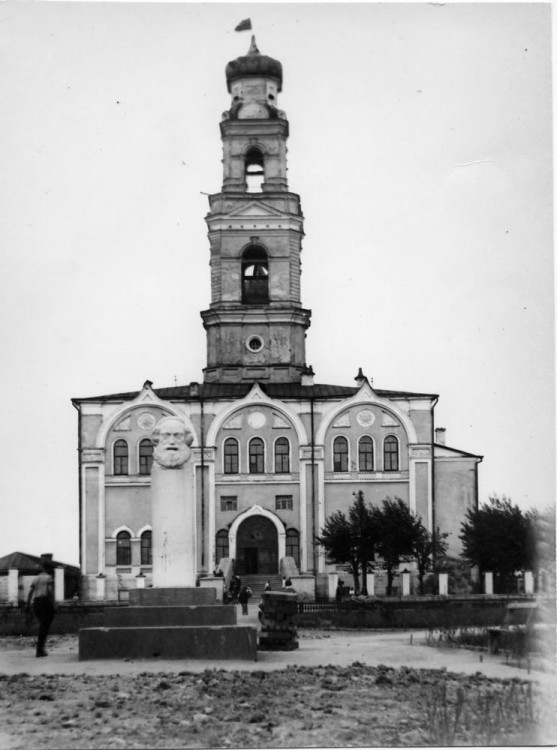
(274, 452)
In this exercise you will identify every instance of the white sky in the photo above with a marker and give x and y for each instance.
(421, 146)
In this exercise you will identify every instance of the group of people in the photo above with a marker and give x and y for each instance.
(238, 594)
(343, 592)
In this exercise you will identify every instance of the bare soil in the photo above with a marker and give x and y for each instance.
(325, 706)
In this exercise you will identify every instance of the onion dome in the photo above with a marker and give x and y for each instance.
(254, 64)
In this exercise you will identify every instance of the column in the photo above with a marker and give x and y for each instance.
(140, 581)
(333, 583)
(443, 584)
(101, 587)
(528, 582)
(488, 583)
(59, 585)
(13, 585)
(370, 581)
(405, 583)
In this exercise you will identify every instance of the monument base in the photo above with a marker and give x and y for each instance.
(180, 623)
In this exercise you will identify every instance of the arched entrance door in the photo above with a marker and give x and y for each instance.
(257, 547)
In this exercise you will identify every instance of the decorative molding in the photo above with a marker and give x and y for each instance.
(234, 423)
(125, 425)
(93, 456)
(388, 420)
(342, 421)
(365, 418)
(280, 423)
(318, 453)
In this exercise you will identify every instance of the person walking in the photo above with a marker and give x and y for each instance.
(243, 598)
(41, 594)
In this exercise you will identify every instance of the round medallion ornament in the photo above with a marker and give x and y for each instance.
(365, 418)
(256, 419)
(146, 421)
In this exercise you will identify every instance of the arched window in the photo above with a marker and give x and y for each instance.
(145, 457)
(390, 454)
(147, 548)
(120, 457)
(230, 456)
(282, 456)
(123, 548)
(293, 545)
(221, 545)
(254, 170)
(365, 453)
(256, 456)
(255, 276)
(340, 454)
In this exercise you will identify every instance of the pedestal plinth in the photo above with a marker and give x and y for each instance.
(173, 503)
(170, 623)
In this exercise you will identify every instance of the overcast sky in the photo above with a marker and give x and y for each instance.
(420, 143)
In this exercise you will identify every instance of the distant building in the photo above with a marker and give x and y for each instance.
(275, 453)
(18, 569)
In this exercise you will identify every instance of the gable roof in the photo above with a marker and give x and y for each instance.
(215, 391)
(30, 564)
(443, 451)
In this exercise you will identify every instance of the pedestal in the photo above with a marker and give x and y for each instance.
(488, 583)
(370, 582)
(170, 623)
(13, 586)
(173, 506)
(443, 584)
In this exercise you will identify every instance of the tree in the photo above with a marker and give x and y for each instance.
(396, 534)
(497, 537)
(362, 521)
(350, 540)
(428, 546)
(336, 538)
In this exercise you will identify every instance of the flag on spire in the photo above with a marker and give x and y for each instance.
(244, 25)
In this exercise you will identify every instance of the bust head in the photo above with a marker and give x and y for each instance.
(172, 441)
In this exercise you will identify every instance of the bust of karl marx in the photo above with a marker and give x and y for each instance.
(172, 441)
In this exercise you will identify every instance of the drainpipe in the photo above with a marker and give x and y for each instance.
(314, 551)
(202, 435)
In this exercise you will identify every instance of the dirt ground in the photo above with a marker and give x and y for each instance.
(324, 706)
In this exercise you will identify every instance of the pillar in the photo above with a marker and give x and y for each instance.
(443, 584)
(140, 581)
(101, 587)
(370, 581)
(333, 583)
(216, 583)
(488, 583)
(528, 582)
(59, 585)
(173, 508)
(13, 586)
(405, 583)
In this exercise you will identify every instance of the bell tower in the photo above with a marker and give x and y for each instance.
(255, 323)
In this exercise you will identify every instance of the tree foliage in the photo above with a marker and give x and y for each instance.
(497, 537)
(350, 540)
(429, 546)
(336, 538)
(397, 531)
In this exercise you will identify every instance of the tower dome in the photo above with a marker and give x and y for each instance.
(253, 65)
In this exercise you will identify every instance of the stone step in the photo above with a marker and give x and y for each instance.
(124, 617)
(169, 642)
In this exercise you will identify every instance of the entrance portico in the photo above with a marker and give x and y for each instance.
(257, 542)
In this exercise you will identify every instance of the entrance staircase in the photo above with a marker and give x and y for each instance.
(257, 584)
